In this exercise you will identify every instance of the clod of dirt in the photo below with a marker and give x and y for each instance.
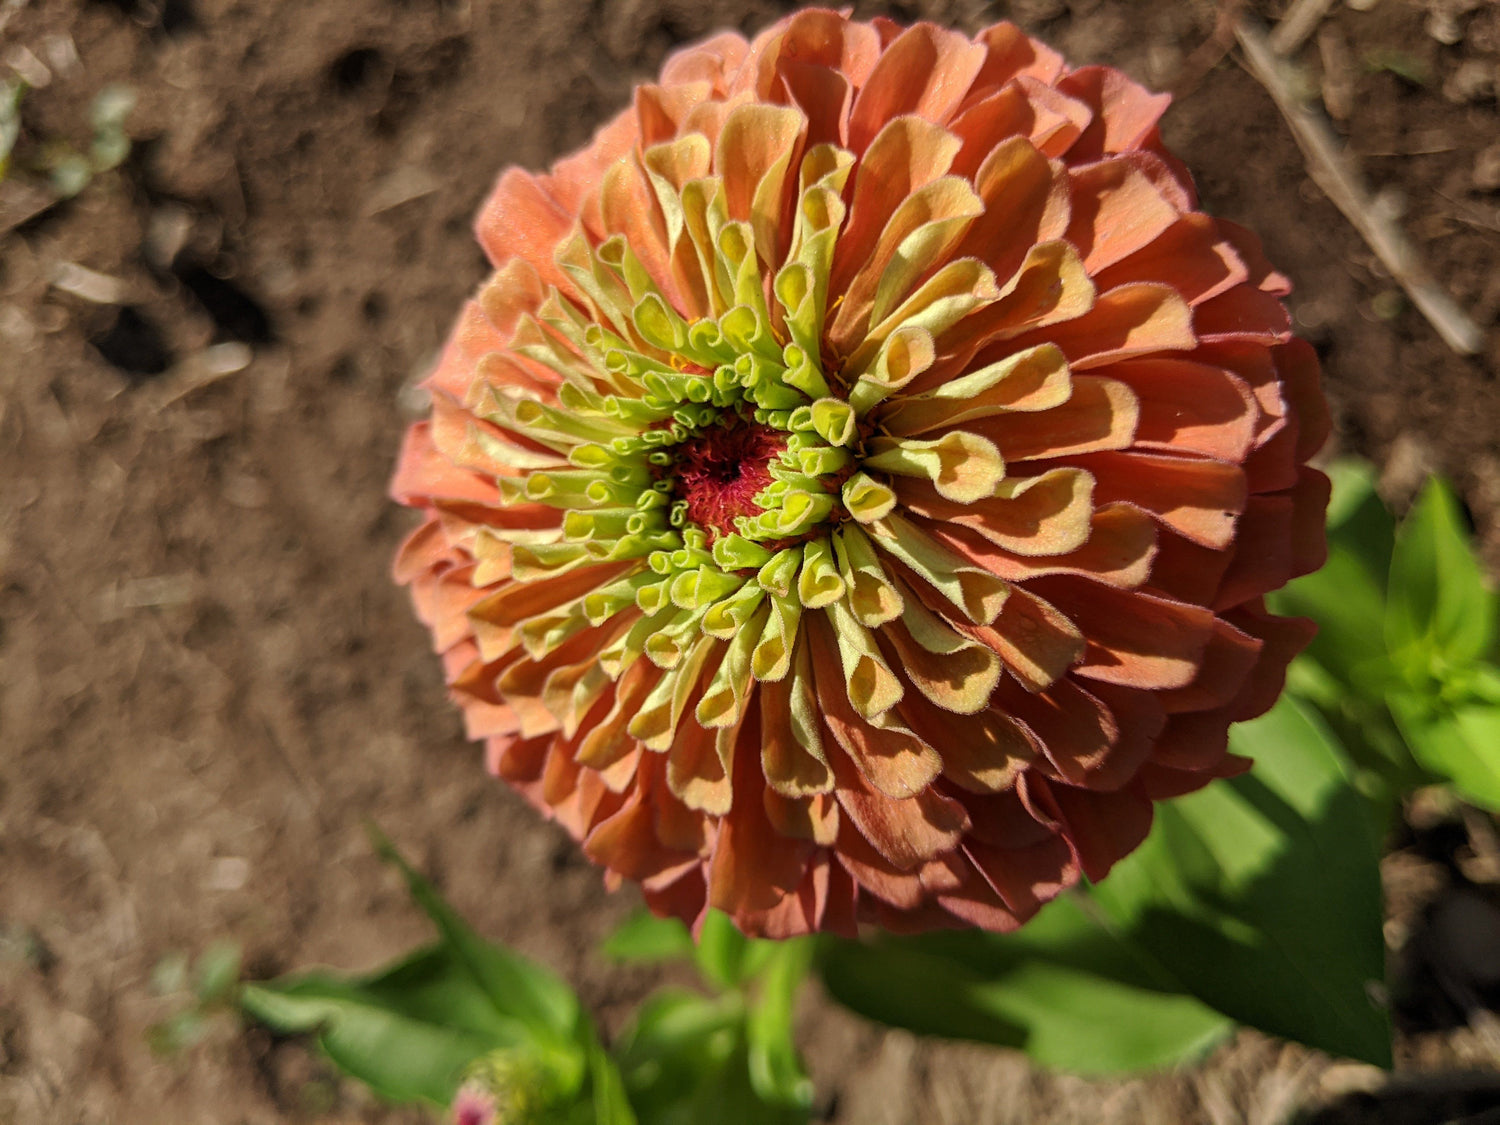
(1486, 174)
(133, 344)
(235, 313)
(169, 15)
(1471, 81)
(1466, 935)
(361, 69)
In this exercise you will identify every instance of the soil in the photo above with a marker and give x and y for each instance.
(210, 683)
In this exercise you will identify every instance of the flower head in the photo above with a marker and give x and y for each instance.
(851, 497)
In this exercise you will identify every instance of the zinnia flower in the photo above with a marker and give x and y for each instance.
(851, 497)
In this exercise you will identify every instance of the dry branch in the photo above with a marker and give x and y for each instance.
(1331, 170)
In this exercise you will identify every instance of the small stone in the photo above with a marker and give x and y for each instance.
(1442, 25)
(1471, 80)
(1486, 174)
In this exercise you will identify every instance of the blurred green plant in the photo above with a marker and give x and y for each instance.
(1404, 664)
(11, 94)
(66, 168)
(728, 1054)
(465, 1013)
(205, 989)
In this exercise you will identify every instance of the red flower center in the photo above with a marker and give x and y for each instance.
(719, 473)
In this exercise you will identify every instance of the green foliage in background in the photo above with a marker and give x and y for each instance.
(11, 93)
(729, 1055)
(463, 1008)
(67, 168)
(1404, 664)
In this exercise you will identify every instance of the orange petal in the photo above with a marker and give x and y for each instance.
(907, 153)
(1298, 365)
(1125, 113)
(982, 753)
(1120, 548)
(661, 110)
(1135, 639)
(472, 337)
(906, 833)
(1198, 499)
(894, 760)
(1103, 827)
(752, 865)
(1024, 878)
(816, 37)
(1116, 211)
(1035, 639)
(1283, 638)
(1011, 53)
(927, 71)
(814, 818)
(712, 61)
(1101, 414)
(1190, 255)
(1190, 407)
(521, 219)
(1047, 514)
(422, 474)
(1243, 313)
(1227, 661)
(1131, 320)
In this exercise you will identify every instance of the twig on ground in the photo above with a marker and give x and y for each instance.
(1300, 21)
(1332, 172)
(1211, 52)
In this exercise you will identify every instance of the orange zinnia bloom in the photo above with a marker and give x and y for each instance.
(852, 495)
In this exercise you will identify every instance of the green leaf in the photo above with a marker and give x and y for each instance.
(721, 950)
(218, 971)
(1438, 601)
(608, 1103)
(1062, 988)
(11, 93)
(678, 1043)
(645, 938)
(776, 1071)
(1459, 742)
(1256, 900)
(1262, 894)
(517, 988)
(410, 1030)
(408, 1034)
(687, 1059)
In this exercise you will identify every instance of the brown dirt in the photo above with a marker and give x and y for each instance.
(209, 681)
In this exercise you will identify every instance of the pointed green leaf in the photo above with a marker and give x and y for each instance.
(517, 988)
(1459, 742)
(408, 1033)
(645, 938)
(721, 950)
(1438, 600)
(776, 1071)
